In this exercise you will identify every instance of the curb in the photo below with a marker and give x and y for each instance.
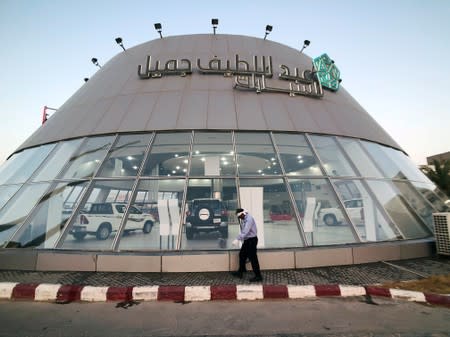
(69, 293)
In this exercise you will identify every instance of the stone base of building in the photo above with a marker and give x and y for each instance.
(205, 261)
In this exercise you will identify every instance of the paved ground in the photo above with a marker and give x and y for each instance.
(364, 274)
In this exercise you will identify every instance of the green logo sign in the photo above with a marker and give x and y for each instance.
(327, 72)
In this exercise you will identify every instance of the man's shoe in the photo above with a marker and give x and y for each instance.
(256, 279)
(237, 274)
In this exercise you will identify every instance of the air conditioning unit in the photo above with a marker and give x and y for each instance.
(442, 232)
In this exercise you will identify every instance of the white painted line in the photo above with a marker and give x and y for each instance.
(94, 294)
(197, 293)
(145, 293)
(46, 292)
(249, 292)
(415, 296)
(352, 291)
(295, 291)
(6, 289)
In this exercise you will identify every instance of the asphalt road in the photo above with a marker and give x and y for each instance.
(337, 317)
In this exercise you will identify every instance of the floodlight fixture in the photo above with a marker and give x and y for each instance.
(120, 43)
(305, 44)
(215, 23)
(268, 30)
(95, 62)
(158, 28)
(86, 79)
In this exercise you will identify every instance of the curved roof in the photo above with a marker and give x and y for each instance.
(115, 99)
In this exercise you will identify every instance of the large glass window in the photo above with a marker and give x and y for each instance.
(331, 156)
(97, 220)
(408, 223)
(272, 208)
(213, 155)
(365, 165)
(156, 209)
(405, 164)
(364, 212)
(15, 212)
(58, 159)
(169, 155)
(429, 193)
(210, 205)
(21, 166)
(323, 221)
(256, 155)
(87, 159)
(6, 192)
(126, 156)
(416, 202)
(296, 155)
(47, 222)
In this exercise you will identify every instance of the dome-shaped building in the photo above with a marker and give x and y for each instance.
(143, 167)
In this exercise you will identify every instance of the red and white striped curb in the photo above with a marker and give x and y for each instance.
(69, 293)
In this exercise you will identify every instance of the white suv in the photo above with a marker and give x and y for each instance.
(104, 218)
(334, 216)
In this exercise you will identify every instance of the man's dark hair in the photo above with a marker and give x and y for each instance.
(239, 210)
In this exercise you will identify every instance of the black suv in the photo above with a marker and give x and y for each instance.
(206, 215)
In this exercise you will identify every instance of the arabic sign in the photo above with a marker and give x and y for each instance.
(255, 77)
(327, 72)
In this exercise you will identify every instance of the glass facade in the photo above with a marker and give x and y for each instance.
(163, 191)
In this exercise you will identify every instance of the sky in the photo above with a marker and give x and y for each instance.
(393, 55)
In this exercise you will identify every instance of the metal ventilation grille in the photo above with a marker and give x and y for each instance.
(442, 232)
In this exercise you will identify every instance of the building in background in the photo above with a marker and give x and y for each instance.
(143, 167)
(441, 157)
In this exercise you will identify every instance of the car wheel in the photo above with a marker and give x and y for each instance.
(79, 236)
(224, 232)
(330, 220)
(189, 233)
(148, 225)
(103, 231)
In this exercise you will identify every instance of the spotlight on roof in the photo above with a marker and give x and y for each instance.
(158, 28)
(95, 61)
(120, 43)
(86, 79)
(268, 30)
(305, 44)
(214, 23)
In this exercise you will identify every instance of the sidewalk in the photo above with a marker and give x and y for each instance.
(352, 280)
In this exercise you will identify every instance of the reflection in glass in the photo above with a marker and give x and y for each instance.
(126, 156)
(58, 159)
(47, 222)
(296, 155)
(364, 212)
(15, 212)
(331, 156)
(279, 228)
(21, 166)
(97, 221)
(387, 165)
(6, 192)
(405, 164)
(256, 155)
(359, 157)
(416, 202)
(169, 155)
(429, 193)
(212, 154)
(210, 221)
(323, 221)
(408, 223)
(158, 204)
(87, 159)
